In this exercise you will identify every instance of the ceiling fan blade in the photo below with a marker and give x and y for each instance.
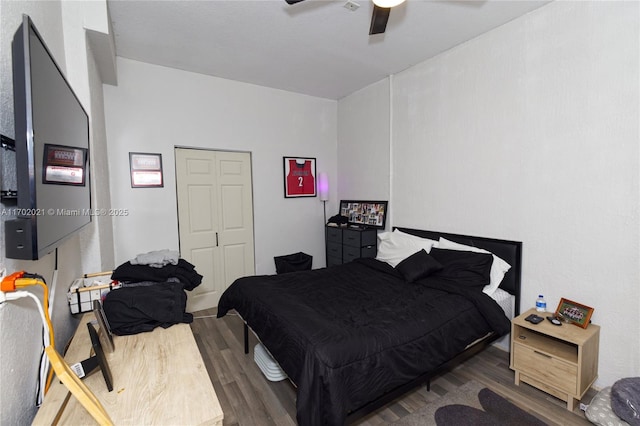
(379, 19)
(293, 1)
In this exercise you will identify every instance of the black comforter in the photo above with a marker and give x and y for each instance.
(348, 334)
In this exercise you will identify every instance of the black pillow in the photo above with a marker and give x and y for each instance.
(418, 265)
(465, 267)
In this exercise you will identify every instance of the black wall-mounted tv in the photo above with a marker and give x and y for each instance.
(364, 213)
(52, 151)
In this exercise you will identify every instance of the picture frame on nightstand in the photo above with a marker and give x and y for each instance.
(574, 312)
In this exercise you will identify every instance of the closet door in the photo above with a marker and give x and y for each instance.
(215, 219)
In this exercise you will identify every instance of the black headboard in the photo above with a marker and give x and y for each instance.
(510, 251)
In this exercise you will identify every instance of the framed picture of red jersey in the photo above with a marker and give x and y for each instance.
(299, 177)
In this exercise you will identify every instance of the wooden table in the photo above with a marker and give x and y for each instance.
(159, 378)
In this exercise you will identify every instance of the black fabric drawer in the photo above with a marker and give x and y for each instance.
(334, 250)
(334, 235)
(352, 238)
(333, 261)
(369, 251)
(359, 238)
(369, 237)
(350, 253)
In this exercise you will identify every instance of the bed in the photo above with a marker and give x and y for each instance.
(353, 337)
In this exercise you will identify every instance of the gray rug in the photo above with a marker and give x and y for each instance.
(470, 404)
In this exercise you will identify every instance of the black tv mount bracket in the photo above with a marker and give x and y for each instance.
(9, 183)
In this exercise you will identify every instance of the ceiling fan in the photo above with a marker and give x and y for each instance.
(380, 16)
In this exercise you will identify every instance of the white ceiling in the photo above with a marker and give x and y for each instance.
(317, 47)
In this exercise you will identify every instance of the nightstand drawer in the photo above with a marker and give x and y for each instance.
(359, 238)
(334, 250)
(350, 253)
(334, 235)
(369, 251)
(548, 369)
(333, 261)
(352, 238)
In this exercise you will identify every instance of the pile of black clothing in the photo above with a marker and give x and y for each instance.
(183, 271)
(150, 296)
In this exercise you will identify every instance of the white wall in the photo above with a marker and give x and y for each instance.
(363, 153)
(153, 109)
(530, 132)
(62, 27)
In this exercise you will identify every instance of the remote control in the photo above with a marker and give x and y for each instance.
(534, 319)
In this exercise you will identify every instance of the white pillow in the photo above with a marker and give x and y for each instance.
(394, 247)
(413, 240)
(599, 410)
(498, 268)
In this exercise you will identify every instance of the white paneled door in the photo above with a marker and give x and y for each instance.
(215, 219)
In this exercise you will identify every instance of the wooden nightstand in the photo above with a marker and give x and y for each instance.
(560, 360)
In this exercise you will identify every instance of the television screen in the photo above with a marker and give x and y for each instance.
(52, 143)
(364, 214)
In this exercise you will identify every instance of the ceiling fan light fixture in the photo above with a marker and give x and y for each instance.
(387, 3)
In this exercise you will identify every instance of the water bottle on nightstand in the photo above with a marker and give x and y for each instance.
(541, 304)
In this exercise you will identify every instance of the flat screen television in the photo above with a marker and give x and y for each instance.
(52, 151)
(364, 213)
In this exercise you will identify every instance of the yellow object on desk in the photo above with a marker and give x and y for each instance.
(159, 378)
(77, 388)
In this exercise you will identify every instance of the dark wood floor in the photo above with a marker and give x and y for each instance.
(248, 399)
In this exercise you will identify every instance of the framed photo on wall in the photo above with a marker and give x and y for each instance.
(146, 170)
(299, 177)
